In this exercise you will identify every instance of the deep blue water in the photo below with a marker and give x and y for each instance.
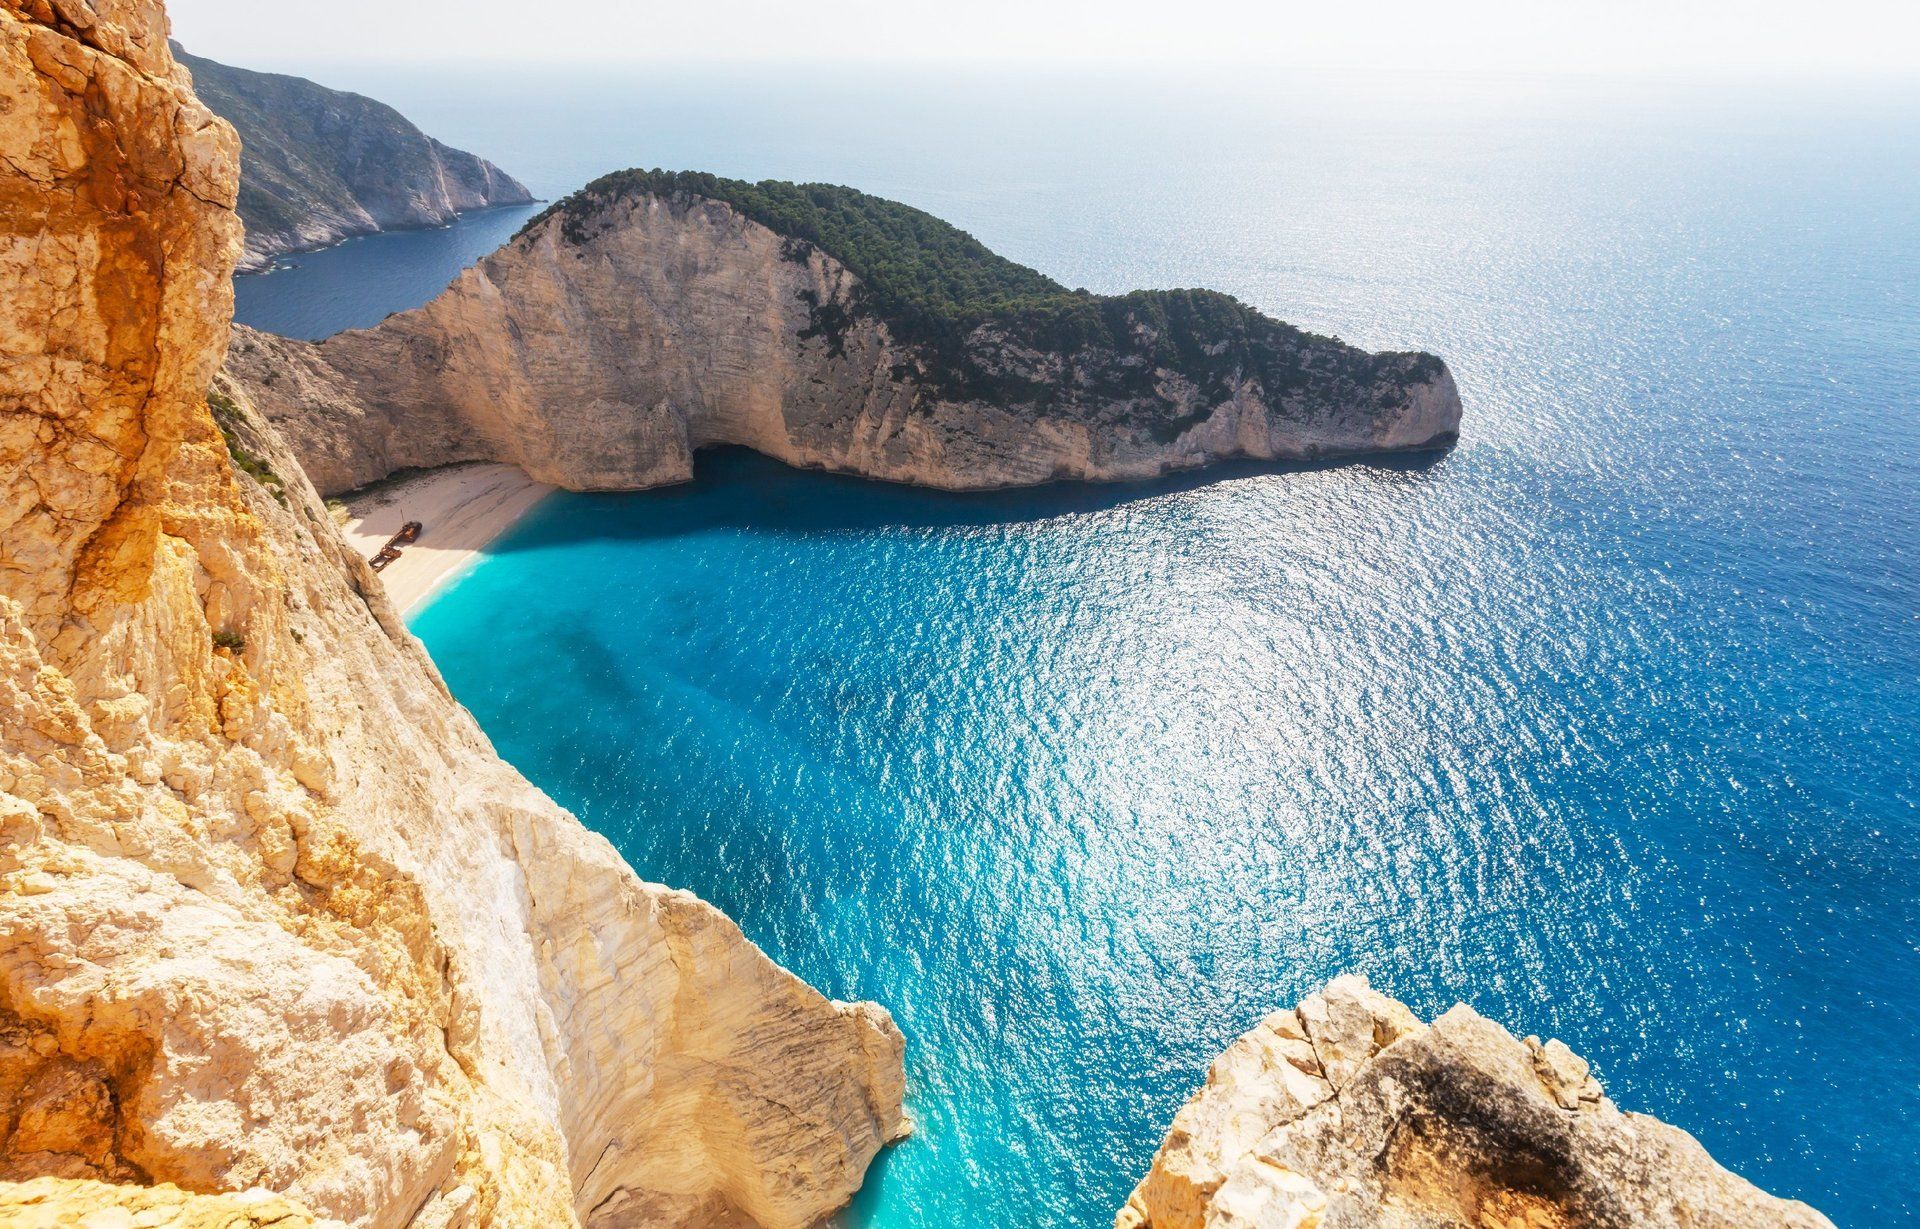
(1605, 722)
(356, 284)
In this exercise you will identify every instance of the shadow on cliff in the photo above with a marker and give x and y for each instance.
(736, 488)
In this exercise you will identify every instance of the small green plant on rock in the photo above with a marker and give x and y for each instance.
(233, 642)
(227, 416)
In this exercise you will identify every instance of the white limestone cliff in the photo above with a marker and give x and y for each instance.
(273, 916)
(606, 359)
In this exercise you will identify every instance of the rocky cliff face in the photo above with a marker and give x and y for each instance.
(630, 328)
(1349, 1112)
(274, 914)
(319, 165)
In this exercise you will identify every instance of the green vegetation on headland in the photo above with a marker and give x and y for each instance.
(914, 265)
(937, 288)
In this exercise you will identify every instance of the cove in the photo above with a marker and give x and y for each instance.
(1604, 723)
(1082, 781)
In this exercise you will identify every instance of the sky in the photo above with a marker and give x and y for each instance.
(1831, 37)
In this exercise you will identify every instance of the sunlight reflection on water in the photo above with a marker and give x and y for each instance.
(1604, 722)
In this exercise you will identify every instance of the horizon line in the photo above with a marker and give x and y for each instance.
(1833, 73)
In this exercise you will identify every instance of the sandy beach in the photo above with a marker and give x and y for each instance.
(461, 508)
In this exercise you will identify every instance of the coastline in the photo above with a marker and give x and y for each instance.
(461, 508)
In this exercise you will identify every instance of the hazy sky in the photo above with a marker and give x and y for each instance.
(1607, 35)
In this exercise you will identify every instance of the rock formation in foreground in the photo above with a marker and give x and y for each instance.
(319, 165)
(1347, 1112)
(273, 916)
(651, 315)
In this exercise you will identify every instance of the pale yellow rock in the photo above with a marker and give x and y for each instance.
(1564, 1074)
(70, 1203)
(680, 324)
(272, 913)
(1290, 1063)
(1451, 1126)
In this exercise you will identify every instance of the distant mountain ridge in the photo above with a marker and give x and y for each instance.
(319, 165)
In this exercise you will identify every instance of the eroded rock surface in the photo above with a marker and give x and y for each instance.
(66, 1203)
(273, 916)
(1350, 1112)
(630, 328)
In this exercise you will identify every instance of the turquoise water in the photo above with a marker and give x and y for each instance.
(1604, 722)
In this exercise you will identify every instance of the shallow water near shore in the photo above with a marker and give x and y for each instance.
(1604, 722)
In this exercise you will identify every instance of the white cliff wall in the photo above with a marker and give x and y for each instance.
(676, 324)
(272, 913)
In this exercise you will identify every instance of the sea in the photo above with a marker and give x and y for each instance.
(1605, 723)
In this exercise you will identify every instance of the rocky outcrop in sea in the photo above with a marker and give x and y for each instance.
(1347, 1111)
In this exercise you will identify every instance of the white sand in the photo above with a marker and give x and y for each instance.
(460, 508)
